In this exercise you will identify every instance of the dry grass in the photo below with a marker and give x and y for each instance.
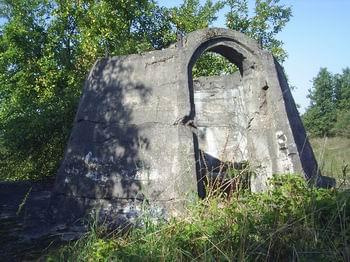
(333, 156)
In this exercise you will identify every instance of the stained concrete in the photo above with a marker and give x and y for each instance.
(143, 124)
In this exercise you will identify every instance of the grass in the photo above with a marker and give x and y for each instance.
(290, 222)
(333, 157)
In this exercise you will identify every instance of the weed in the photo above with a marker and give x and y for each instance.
(24, 200)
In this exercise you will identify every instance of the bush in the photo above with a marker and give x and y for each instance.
(291, 221)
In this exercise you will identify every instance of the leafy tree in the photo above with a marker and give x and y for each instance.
(191, 15)
(342, 124)
(329, 110)
(342, 89)
(26, 118)
(342, 96)
(47, 48)
(320, 116)
(268, 19)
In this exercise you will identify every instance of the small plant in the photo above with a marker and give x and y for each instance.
(231, 178)
(24, 200)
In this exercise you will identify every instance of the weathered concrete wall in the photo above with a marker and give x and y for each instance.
(125, 144)
(220, 117)
(142, 123)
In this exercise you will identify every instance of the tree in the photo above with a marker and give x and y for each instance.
(191, 15)
(47, 48)
(268, 19)
(342, 99)
(320, 116)
(25, 118)
(342, 89)
(329, 110)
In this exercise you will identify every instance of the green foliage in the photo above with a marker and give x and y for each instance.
(191, 15)
(48, 46)
(291, 221)
(268, 19)
(31, 114)
(329, 110)
(212, 64)
(342, 99)
(342, 125)
(342, 89)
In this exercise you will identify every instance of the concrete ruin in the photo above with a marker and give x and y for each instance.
(144, 126)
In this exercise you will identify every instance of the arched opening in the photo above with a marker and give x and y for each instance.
(218, 113)
(213, 64)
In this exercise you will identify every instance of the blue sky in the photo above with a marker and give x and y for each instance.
(318, 35)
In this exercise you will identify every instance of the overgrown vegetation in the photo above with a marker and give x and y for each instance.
(292, 221)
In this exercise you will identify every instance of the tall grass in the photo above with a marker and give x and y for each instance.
(290, 222)
(333, 157)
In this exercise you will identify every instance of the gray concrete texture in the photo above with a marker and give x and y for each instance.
(143, 123)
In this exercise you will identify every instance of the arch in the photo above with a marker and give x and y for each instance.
(234, 46)
(238, 50)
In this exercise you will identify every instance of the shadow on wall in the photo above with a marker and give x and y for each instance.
(101, 163)
(103, 159)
